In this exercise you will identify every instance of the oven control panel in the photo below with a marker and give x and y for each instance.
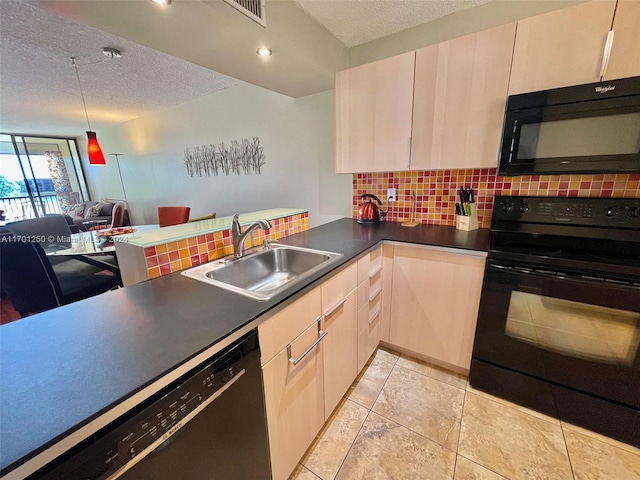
(600, 212)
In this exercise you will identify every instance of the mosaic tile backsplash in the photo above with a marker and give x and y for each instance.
(436, 191)
(174, 256)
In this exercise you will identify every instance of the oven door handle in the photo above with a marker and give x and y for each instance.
(585, 279)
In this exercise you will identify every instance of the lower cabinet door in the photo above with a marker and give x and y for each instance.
(294, 398)
(434, 303)
(340, 352)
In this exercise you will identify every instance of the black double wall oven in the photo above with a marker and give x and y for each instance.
(559, 320)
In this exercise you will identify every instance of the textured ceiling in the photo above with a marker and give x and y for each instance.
(354, 22)
(39, 90)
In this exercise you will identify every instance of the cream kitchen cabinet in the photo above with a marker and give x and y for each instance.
(460, 95)
(449, 116)
(369, 304)
(293, 381)
(570, 46)
(435, 296)
(339, 321)
(309, 360)
(373, 115)
(624, 60)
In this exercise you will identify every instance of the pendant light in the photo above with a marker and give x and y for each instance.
(93, 147)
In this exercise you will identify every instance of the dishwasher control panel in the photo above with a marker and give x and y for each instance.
(158, 421)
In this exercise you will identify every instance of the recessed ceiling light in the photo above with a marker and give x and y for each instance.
(162, 2)
(264, 52)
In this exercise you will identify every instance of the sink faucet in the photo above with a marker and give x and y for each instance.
(239, 236)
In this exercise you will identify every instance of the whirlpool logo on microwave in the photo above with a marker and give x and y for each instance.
(606, 89)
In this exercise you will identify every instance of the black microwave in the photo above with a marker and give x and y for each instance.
(592, 128)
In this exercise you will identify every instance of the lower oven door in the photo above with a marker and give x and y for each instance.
(581, 331)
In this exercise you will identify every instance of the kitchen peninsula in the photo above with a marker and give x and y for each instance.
(68, 372)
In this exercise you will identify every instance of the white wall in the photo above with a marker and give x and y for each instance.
(298, 136)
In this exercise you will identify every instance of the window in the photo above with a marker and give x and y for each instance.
(39, 176)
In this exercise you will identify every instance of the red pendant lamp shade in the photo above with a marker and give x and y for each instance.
(95, 152)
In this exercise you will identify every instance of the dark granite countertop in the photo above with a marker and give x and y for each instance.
(63, 368)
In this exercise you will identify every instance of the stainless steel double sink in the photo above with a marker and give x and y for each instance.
(265, 273)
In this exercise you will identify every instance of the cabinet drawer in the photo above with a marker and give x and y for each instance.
(336, 289)
(368, 337)
(369, 276)
(280, 330)
(369, 265)
(372, 306)
(294, 402)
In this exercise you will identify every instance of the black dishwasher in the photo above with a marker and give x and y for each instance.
(209, 424)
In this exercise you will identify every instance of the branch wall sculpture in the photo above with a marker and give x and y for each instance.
(244, 157)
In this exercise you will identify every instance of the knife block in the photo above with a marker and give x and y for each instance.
(468, 223)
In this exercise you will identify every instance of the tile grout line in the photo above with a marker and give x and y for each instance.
(455, 463)
(458, 447)
(566, 447)
(431, 378)
(405, 426)
(514, 407)
(483, 466)
(351, 446)
(586, 433)
(369, 410)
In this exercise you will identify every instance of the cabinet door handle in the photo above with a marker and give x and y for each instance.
(295, 361)
(372, 297)
(376, 315)
(607, 53)
(409, 153)
(333, 309)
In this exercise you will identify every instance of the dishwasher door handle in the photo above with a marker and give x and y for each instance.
(175, 429)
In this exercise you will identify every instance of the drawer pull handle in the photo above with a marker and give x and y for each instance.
(375, 272)
(376, 315)
(295, 361)
(333, 309)
(373, 297)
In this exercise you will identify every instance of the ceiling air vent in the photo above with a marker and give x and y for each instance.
(254, 9)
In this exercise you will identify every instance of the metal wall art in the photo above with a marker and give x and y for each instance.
(244, 157)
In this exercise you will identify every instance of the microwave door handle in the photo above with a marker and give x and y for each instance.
(606, 56)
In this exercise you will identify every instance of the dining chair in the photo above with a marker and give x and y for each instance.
(31, 283)
(168, 216)
(52, 232)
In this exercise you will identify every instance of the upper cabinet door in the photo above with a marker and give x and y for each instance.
(625, 55)
(373, 116)
(561, 48)
(459, 100)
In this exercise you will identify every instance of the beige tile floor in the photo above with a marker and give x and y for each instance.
(404, 419)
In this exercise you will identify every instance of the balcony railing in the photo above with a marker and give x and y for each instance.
(21, 208)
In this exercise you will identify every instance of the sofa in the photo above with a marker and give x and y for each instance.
(93, 211)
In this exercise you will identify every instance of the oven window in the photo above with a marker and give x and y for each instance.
(581, 137)
(575, 329)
